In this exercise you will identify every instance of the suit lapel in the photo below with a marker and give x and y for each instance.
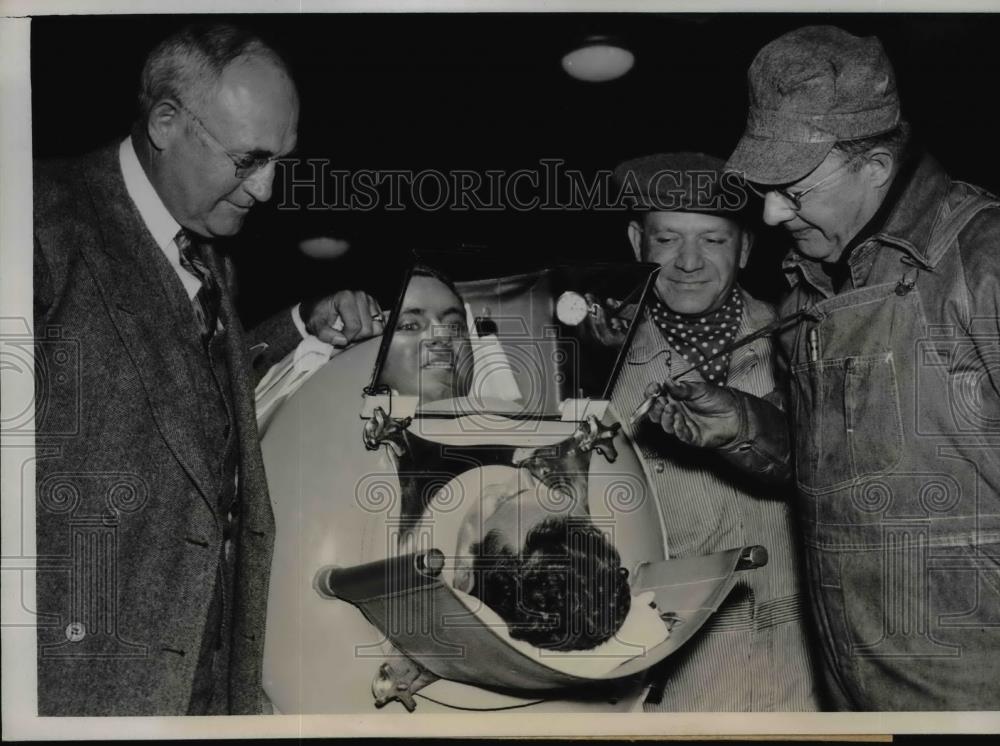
(123, 266)
(258, 515)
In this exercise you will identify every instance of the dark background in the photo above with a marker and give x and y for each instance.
(487, 91)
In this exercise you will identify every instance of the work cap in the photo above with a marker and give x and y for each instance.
(681, 182)
(808, 90)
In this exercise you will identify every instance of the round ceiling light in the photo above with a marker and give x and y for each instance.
(324, 247)
(598, 59)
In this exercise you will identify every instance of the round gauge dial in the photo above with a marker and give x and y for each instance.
(571, 308)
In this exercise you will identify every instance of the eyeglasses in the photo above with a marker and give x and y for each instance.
(246, 164)
(795, 198)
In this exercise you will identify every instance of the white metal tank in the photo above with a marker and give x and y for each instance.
(344, 470)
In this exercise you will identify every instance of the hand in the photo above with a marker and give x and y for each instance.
(607, 330)
(359, 315)
(696, 413)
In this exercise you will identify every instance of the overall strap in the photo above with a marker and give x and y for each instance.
(948, 227)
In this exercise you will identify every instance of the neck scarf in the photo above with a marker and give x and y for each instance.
(696, 338)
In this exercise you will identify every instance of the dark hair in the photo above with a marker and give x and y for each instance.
(896, 141)
(422, 270)
(565, 589)
(187, 65)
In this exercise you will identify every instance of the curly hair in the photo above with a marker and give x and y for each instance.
(565, 589)
(424, 270)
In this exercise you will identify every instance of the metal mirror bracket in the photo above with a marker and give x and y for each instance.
(382, 429)
(592, 435)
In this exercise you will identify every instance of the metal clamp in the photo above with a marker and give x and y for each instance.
(383, 429)
(591, 435)
(398, 679)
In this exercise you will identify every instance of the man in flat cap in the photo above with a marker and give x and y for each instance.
(895, 376)
(717, 488)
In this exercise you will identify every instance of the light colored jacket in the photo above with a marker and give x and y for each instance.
(753, 655)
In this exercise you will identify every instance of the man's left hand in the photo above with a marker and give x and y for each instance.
(603, 327)
(359, 314)
(697, 413)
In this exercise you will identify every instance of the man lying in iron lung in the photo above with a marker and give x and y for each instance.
(430, 355)
(525, 550)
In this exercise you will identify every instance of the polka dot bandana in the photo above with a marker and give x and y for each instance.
(697, 338)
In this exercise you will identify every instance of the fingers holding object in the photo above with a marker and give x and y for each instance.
(653, 389)
(376, 314)
(332, 334)
(360, 313)
(364, 312)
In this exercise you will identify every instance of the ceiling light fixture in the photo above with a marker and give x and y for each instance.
(598, 59)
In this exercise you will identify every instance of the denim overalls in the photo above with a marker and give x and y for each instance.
(897, 454)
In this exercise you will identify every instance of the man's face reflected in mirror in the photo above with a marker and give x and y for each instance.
(533, 556)
(430, 355)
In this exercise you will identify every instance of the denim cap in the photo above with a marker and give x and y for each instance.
(681, 182)
(809, 89)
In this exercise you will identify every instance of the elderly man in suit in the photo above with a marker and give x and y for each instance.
(154, 525)
(717, 488)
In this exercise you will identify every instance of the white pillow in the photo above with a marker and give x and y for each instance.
(641, 632)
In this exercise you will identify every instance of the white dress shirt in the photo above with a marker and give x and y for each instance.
(154, 214)
(162, 225)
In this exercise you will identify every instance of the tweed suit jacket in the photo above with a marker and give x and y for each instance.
(128, 535)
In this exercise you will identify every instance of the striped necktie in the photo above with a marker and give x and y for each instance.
(206, 301)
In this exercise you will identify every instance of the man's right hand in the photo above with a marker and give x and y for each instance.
(359, 315)
(749, 432)
(696, 413)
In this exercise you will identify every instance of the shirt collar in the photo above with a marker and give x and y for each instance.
(158, 220)
(905, 226)
(908, 226)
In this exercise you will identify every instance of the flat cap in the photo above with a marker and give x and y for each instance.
(809, 89)
(681, 182)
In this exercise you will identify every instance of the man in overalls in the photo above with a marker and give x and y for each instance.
(894, 374)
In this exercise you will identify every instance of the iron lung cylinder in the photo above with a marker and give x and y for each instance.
(365, 491)
(338, 504)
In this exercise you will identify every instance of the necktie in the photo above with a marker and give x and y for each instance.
(206, 301)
